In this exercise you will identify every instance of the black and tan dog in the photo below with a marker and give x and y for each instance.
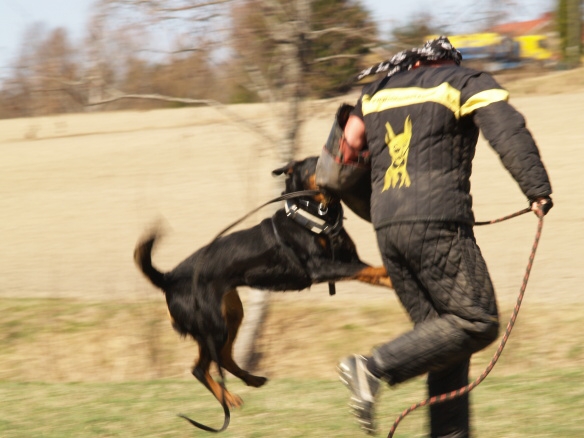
(298, 246)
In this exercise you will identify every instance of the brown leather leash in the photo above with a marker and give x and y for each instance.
(466, 389)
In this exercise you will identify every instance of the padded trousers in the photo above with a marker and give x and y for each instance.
(441, 279)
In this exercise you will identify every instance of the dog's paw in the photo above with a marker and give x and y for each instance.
(386, 281)
(233, 400)
(255, 381)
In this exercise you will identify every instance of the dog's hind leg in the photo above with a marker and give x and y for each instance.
(232, 310)
(201, 373)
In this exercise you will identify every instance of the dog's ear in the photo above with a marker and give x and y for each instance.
(287, 169)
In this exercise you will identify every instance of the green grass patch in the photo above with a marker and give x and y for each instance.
(543, 404)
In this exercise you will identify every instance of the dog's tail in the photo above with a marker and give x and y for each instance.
(143, 259)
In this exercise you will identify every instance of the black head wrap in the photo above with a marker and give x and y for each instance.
(433, 50)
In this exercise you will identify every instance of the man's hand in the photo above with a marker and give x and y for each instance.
(353, 139)
(541, 206)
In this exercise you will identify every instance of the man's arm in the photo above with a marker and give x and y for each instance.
(504, 128)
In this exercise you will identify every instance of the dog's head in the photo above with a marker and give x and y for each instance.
(301, 175)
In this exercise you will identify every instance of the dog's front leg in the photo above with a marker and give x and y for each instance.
(376, 276)
(339, 271)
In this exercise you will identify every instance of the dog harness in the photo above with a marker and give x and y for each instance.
(310, 216)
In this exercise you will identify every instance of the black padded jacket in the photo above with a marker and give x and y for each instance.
(422, 128)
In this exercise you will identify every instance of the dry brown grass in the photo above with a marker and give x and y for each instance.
(534, 82)
(68, 340)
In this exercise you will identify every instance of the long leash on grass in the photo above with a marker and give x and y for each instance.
(466, 389)
(210, 344)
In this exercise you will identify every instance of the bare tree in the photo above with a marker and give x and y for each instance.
(47, 66)
(286, 24)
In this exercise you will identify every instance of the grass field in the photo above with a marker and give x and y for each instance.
(532, 404)
(71, 368)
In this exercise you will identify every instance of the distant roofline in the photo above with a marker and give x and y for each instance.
(524, 27)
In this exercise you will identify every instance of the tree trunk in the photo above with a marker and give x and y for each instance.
(291, 64)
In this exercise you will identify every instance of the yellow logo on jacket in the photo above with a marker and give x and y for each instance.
(399, 147)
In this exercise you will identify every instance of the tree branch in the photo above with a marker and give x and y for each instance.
(257, 129)
(195, 6)
(361, 33)
(328, 58)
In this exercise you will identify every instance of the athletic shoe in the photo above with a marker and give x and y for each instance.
(364, 386)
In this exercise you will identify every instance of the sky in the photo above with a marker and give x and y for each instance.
(17, 15)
